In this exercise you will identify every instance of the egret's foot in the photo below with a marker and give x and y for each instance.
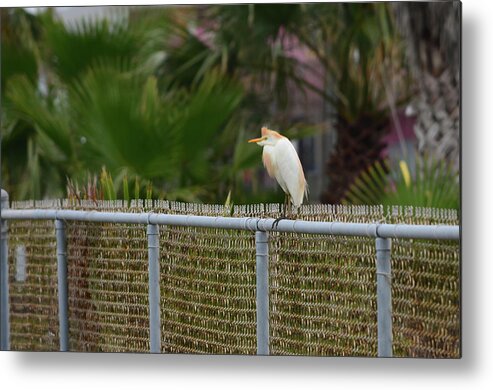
(277, 220)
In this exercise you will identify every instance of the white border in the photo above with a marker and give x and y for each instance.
(473, 371)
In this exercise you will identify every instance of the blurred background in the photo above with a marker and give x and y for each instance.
(159, 102)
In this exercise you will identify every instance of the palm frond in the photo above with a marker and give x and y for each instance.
(426, 183)
(74, 50)
(47, 117)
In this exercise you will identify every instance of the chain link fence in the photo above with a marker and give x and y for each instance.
(322, 288)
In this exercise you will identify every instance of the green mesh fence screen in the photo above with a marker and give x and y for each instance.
(322, 288)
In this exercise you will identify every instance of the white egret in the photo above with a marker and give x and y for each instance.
(282, 163)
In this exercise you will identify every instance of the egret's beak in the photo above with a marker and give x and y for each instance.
(256, 139)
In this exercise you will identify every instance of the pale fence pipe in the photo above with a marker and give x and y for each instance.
(154, 293)
(61, 254)
(431, 232)
(384, 297)
(4, 277)
(381, 232)
(262, 293)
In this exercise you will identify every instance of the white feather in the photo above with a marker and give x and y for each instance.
(287, 169)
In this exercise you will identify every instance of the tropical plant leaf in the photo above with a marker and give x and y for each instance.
(73, 50)
(48, 118)
(425, 183)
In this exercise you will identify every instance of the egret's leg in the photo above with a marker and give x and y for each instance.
(284, 214)
(289, 207)
(285, 208)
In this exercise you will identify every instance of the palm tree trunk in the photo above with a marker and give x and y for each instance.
(433, 33)
(358, 146)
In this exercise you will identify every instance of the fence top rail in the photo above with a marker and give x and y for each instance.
(383, 230)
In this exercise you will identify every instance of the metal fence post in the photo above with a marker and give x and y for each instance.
(262, 272)
(384, 297)
(4, 278)
(61, 255)
(154, 293)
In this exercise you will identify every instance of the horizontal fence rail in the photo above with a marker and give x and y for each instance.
(436, 232)
(382, 233)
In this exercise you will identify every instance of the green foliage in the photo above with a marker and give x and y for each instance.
(105, 188)
(109, 192)
(188, 61)
(360, 50)
(169, 95)
(104, 106)
(88, 43)
(253, 40)
(126, 193)
(431, 184)
(167, 136)
(19, 59)
(19, 56)
(46, 115)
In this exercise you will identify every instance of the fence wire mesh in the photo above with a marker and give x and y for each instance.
(33, 286)
(425, 289)
(107, 287)
(322, 288)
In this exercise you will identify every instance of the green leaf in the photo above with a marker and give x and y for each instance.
(50, 120)
(126, 194)
(433, 184)
(88, 43)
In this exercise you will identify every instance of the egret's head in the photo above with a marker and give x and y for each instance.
(269, 137)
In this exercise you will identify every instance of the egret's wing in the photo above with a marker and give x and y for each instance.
(269, 160)
(289, 170)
